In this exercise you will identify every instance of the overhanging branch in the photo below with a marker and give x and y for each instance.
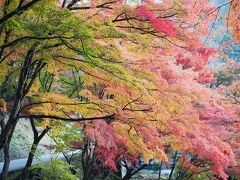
(69, 119)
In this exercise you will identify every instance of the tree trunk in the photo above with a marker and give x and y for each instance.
(160, 169)
(89, 171)
(6, 162)
(88, 162)
(173, 167)
(10, 126)
(36, 141)
(131, 172)
(127, 175)
(6, 158)
(30, 158)
(27, 77)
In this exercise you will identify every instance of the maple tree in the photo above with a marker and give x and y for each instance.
(132, 77)
(227, 83)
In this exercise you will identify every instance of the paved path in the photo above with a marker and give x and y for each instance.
(20, 163)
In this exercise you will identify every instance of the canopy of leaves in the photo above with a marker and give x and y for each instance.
(134, 78)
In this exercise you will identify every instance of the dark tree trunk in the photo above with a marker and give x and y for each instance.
(160, 169)
(6, 158)
(173, 167)
(37, 139)
(127, 175)
(28, 74)
(6, 162)
(88, 162)
(88, 170)
(30, 158)
(9, 127)
(131, 172)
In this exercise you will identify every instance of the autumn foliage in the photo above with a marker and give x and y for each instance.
(135, 78)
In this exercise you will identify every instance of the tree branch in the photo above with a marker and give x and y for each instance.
(18, 10)
(66, 118)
